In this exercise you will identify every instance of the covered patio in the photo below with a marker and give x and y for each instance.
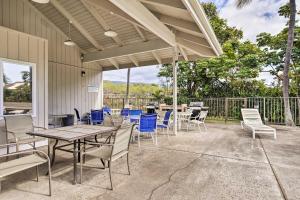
(67, 45)
(72, 42)
(222, 163)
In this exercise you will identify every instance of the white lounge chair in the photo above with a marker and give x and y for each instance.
(252, 121)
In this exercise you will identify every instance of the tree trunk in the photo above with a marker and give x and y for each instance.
(298, 102)
(285, 82)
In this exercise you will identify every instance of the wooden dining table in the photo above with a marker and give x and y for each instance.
(72, 135)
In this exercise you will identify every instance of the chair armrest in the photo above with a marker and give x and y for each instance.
(101, 144)
(39, 127)
(27, 152)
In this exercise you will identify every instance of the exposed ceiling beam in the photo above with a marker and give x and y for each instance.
(133, 60)
(147, 63)
(166, 3)
(129, 49)
(183, 53)
(112, 9)
(192, 38)
(114, 63)
(195, 48)
(155, 55)
(100, 20)
(76, 24)
(197, 12)
(140, 32)
(138, 11)
(182, 25)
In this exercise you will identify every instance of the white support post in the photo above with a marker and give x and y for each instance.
(127, 87)
(175, 65)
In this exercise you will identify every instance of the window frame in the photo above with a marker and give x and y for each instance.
(34, 84)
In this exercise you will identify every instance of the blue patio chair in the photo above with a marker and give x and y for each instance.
(107, 110)
(147, 125)
(134, 115)
(125, 113)
(97, 116)
(165, 123)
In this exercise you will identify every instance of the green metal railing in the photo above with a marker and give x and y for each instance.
(270, 108)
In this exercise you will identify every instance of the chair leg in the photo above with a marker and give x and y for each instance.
(49, 174)
(253, 134)
(84, 146)
(128, 164)
(81, 162)
(109, 166)
(139, 142)
(37, 173)
(155, 137)
(7, 151)
(205, 127)
(168, 131)
(103, 162)
(275, 135)
(53, 153)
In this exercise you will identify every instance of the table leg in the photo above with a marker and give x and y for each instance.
(78, 154)
(53, 153)
(75, 163)
(49, 151)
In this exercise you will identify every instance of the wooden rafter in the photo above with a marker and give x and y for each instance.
(141, 34)
(133, 60)
(183, 53)
(192, 38)
(112, 9)
(182, 25)
(195, 48)
(100, 20)
(126, 50)
(166, 3)
(76, 24)
(114, 63)
(155, 55)
(139, 12)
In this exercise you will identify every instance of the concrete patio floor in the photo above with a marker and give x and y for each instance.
(223, 163)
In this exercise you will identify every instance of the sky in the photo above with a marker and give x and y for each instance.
(259, 16)
(13, 71)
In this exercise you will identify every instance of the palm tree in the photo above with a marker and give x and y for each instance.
(287, 61)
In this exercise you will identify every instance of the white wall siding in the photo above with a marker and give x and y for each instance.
(26, 48)
(65, 87)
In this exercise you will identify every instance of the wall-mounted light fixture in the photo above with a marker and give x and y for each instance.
(82, 73)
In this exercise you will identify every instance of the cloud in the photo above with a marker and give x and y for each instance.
(146, 74)
(259, 16)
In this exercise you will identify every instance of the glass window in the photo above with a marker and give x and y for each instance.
(17, 83)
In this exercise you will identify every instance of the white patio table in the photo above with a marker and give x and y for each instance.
(73, 135)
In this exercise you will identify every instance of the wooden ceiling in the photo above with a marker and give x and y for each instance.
(148, 30)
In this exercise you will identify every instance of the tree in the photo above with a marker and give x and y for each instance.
(218, 77)
(6, 80)
(287, 61)
(227, 75)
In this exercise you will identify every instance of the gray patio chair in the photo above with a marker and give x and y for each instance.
(252, 120)
(17, 127)
(31, 158)
(113, 149)
(198, 120)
